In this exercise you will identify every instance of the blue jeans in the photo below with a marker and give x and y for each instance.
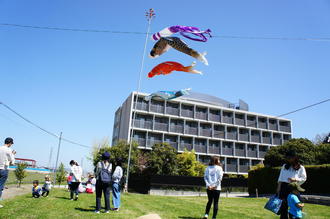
(116, 195)
(3, 178)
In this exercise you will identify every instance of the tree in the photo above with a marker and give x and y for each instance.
(162, 160)
(188, 164)
(20, 173)
(304, 148)
(321, 138)
(322, 154)
(120, 150)
(60, 174)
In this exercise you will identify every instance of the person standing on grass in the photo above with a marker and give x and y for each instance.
(116, 185)
(76, 172)
(7, 157)
(103, 182)
(291, 172)
(212, 177)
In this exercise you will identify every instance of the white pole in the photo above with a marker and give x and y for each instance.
(58, 153)
(150, 15)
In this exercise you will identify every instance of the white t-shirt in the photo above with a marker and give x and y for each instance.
(299, 175)
(77, 173)
(6, 157)
(213, 176)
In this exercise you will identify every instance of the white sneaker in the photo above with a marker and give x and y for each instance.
(1, 206)
(205, 216)
(97, 212)
(107, 212)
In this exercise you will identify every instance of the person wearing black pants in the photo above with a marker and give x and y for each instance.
(103, 182)
(291, 172)
(212, 177)
(76, 172)
(74, 190)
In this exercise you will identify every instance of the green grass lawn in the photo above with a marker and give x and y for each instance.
(57, 205)
(28, 179)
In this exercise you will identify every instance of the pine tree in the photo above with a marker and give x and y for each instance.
(20, 173)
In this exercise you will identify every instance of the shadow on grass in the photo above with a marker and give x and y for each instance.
(61, 197)
(85, 209)
(190, 217)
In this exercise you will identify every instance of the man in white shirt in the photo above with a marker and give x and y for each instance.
(6, 158)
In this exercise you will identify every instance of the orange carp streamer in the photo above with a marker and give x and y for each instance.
(166, 68)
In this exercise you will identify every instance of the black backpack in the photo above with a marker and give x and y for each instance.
(105, 174)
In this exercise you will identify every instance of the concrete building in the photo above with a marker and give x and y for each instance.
(207, 124)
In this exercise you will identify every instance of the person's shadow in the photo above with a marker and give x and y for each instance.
(182, 217)
(61, 197)
(84, 209)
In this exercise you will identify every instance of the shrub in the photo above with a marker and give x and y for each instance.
(20, 173)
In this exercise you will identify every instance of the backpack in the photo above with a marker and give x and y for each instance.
(105, 174)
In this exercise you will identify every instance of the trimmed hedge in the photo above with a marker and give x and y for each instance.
(265, 180)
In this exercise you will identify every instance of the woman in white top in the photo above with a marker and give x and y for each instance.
(292, 171)
(212, 177)
(76, 172)
(116, 185)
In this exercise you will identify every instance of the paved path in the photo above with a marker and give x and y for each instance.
(13, 191)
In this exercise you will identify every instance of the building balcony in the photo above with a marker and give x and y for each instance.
(141, 106)
(251, 123)
(244, 168)
(228, 120)
(277, 141)
(157, 108)
(266, 140)
(219, 134)
(200, 148)
(227, 151)
(187, 113)
(176, 128)
(214, 118)
(273, 126)
(285, 128)
(161, 126)
(243, 137)
(173, 144)
(255, 138)
(205, 132)
(172, 111)
(231, 168)
(240, 152)
(143, 124)
(151, 143)
(239, 121)
(231, 135)
(262, 125)
(214, 150)
(187, 146)
(141, 141)
(252, 153)
(262, 154)
(191, 131)
(202, 116)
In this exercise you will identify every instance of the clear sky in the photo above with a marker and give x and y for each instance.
(74, 81)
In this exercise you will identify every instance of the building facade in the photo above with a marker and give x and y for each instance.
(209, 125)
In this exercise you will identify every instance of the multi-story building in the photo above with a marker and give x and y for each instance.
(207, 124)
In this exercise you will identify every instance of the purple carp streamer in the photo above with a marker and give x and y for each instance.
(185, 31)
(165, 43)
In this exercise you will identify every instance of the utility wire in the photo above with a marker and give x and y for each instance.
(144, 33)
(39, 127)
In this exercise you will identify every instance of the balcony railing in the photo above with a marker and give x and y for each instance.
(252, 153)
(200, 115)
(140, 141)
(228, 120)
(215, 118)
(200, 148)
(262, 154)
(240, 152)
(183, 146)
(141, 106)
(277, 141)
(232, 135)
(272, 126)
(262, 125)
(187, 113)
(251, 123)
(239, 121)
(161, 126)
(219, 134)
(243, 168)
(214, 150)
(243, 137)
(266, 140)
(176, 128)
(227, 151)
(206, 132)
(151, 143)
(285, 128)
(173, 144)
(157, 108)
(172, 111)
(191, 131)
(143, 124)
(231, 168)
(255, 138)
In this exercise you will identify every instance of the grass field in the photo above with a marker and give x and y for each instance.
(28, 179)
(57, 205)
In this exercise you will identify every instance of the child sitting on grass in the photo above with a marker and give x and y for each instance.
(295, 205)
(36, 190)
(46, 187)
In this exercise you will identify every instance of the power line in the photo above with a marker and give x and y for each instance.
(39, 127)
(144, 33)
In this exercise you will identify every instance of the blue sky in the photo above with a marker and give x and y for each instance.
(74, 81)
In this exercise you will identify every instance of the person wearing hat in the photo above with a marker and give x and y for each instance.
(7, 157)
(291, 172)
(294, 203)
(103, 182)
